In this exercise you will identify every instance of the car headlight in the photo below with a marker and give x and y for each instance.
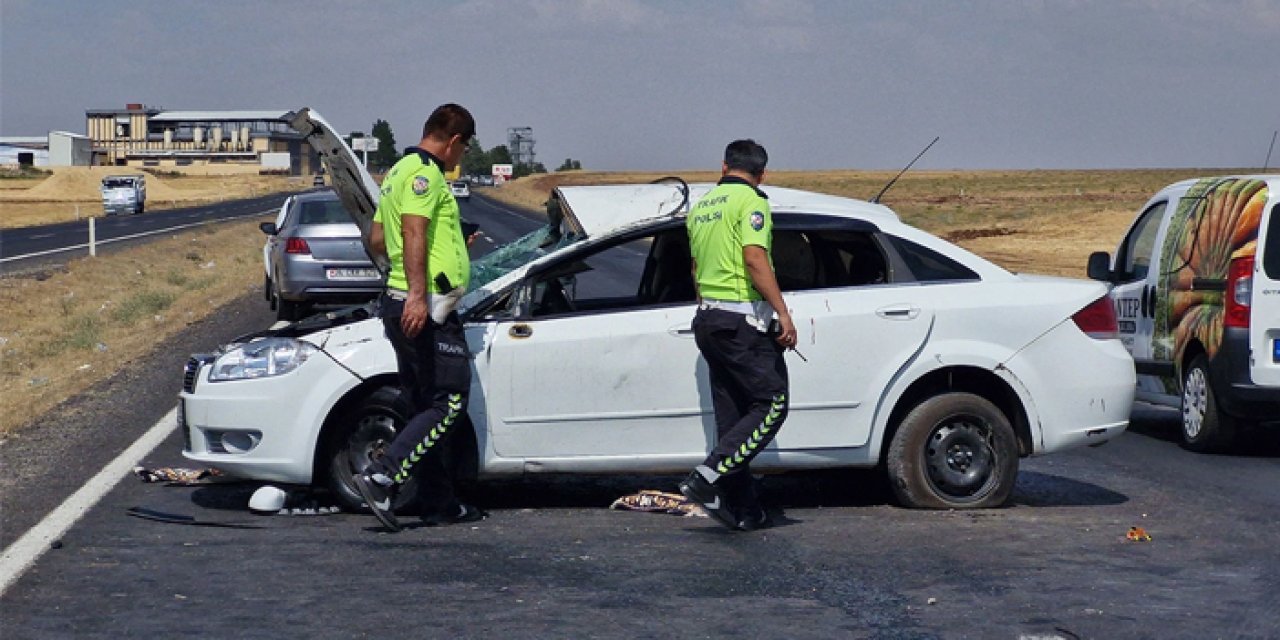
(261, 359)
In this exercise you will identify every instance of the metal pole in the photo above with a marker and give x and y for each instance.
(93, 239)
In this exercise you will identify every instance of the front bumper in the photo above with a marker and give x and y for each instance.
(263, 428)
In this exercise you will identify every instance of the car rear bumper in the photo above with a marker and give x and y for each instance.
(306, 281)
(1233, 387)
(1082, 388)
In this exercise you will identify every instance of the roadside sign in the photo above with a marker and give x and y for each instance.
(501, 173)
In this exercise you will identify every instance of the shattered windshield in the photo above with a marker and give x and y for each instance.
(516, 254)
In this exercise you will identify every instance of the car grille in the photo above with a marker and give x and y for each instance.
(192, 368)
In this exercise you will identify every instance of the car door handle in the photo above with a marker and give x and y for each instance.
(520, 331)
(898, 312)
(681, 332)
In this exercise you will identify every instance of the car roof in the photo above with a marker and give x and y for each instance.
(320, 194)
(600, 209)
(1189, 182)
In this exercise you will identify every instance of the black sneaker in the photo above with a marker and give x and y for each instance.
(457, 514)
(697, 489)
(378, 499)
(754, 518)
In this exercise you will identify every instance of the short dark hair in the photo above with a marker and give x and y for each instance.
(746, 155)
(450, 120)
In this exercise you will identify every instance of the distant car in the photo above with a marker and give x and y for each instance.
(314, 255)
(461, 190)
(922, 359)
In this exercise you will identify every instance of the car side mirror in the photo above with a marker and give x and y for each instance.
(1099, 266)
(269, 228)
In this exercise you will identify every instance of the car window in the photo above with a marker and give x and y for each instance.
(656, 270)
(1271, 261)
(1138, 248)
(927, 265)
(608, 279)
(826, 259)
(323, 212)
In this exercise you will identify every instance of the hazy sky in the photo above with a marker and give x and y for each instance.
(657, 84)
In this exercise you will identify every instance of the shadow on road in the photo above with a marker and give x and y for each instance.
(1035, 489)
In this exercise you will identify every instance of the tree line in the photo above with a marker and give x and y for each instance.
(476, 161)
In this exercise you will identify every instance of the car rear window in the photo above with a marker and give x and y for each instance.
(928, 265)
(323, 212)
(1271, 261)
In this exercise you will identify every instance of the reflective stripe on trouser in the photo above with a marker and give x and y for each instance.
(748, 377)
(760, 437)
(454, 404)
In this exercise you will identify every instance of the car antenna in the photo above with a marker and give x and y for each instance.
(1267, 162)
(904, 170)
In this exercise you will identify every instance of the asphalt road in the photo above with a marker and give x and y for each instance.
(25, 247)
(553, 561)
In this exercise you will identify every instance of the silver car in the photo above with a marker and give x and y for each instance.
(314, 255)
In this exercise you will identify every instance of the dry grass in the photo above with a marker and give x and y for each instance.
(1027, 221)
(60, 335)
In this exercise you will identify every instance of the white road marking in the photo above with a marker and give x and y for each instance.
(135, 235)
(42, 235)
(19, 556)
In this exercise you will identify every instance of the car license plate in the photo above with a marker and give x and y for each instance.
(350, 274)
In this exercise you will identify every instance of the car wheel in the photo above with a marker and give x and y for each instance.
(953, 451)
(1205, 428)
(361, 436)
(266, 289)
(289, 310)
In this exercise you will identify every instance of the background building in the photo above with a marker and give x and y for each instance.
(140, 136)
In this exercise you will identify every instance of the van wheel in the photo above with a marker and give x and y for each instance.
(266, 290)
(1205, 428)
(361, 436)
(953, 451)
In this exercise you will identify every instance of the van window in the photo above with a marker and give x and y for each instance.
(1271, 261)
(1140, 246)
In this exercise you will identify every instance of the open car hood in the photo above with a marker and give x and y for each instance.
(356, 188)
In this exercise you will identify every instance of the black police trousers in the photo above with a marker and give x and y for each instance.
(749, 392)
(435, 376)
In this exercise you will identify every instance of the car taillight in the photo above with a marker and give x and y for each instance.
(296, 245)
(1239, 290)
(1098, 320)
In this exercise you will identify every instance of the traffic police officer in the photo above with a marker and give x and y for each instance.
(419, 227)
(730, 235)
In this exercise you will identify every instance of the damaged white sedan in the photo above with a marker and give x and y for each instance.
(919, 355)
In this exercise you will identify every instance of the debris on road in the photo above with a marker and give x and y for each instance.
(1138, 534)
(654, 501)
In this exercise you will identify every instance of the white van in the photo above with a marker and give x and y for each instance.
(1196, 287)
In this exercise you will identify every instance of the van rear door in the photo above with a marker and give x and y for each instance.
(1264, 324)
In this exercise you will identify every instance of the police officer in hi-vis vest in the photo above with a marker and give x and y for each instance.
(742, 327)
(419, 227)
